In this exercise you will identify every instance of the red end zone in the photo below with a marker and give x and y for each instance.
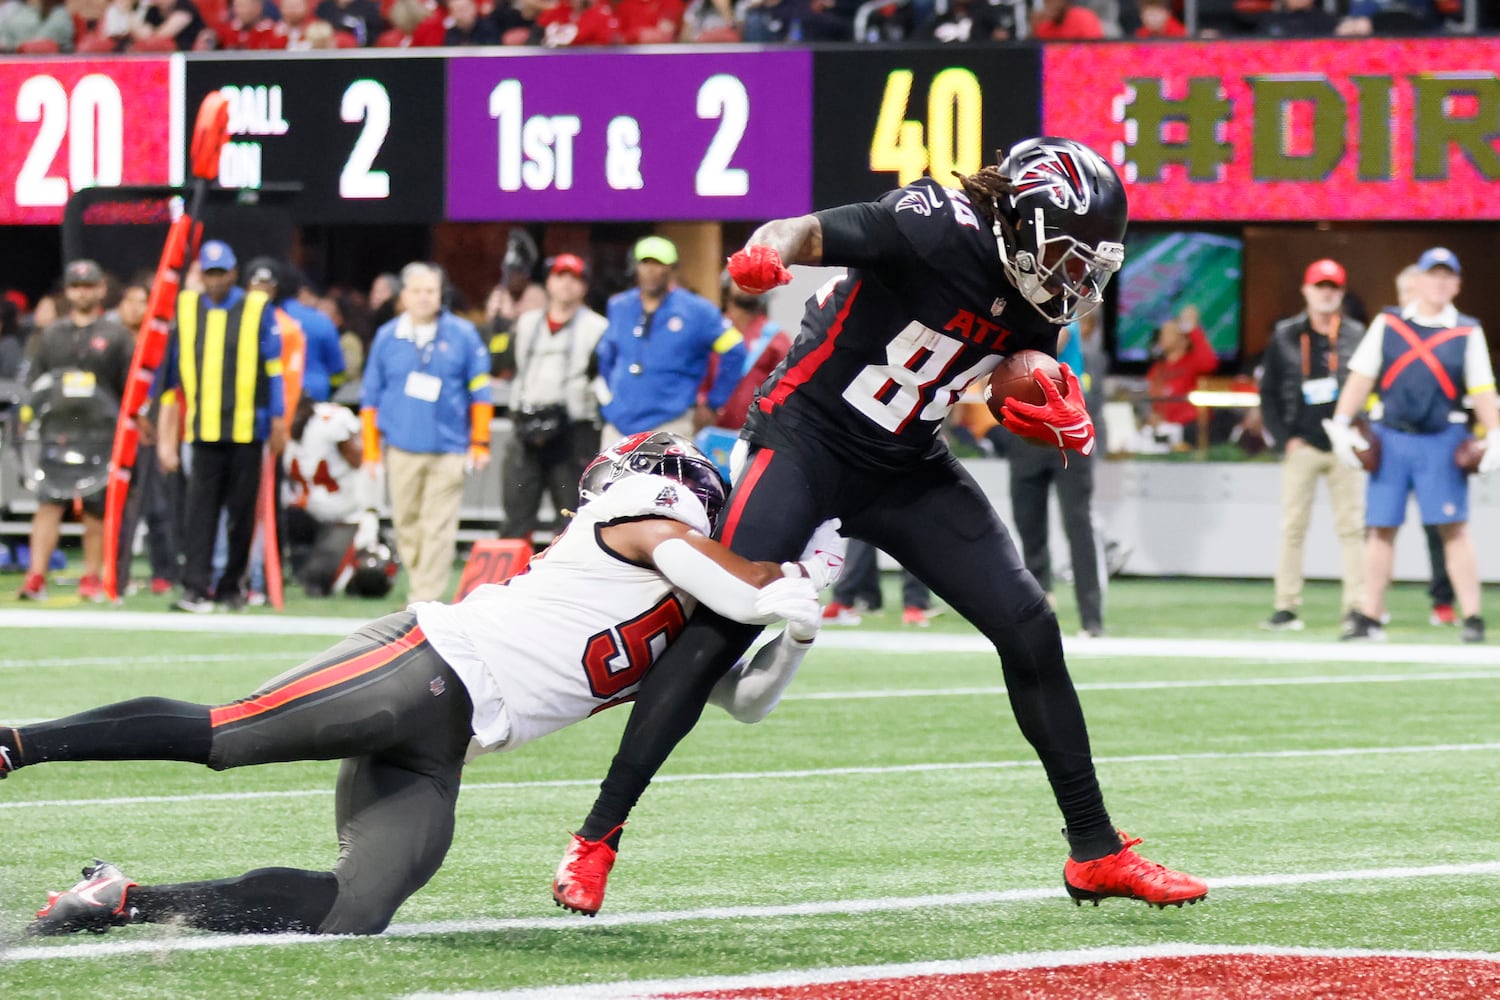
(1201, 977)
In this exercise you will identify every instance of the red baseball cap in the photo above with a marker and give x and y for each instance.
(569, 263)
(1323, 270)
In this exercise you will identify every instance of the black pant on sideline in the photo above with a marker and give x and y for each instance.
(223, 477)
(1033, 471)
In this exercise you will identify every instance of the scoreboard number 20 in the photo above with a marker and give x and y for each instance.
(91, 118)
(951, 139)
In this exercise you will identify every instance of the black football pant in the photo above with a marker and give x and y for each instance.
(382, 702)
(934, 520)
(1033, 473)
(227, 477)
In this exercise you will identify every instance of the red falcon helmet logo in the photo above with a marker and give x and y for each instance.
(1055, 173)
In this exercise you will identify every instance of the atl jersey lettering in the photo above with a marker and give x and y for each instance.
(318, 477)
(576, 632)
(886, 349)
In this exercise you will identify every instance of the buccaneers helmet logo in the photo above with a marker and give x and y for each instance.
(1055, 173)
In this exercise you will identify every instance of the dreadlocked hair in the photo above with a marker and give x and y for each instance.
(985, 189)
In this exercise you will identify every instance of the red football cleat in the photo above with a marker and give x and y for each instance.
(91, 588)
(583, 873)
(95, 905)
(1128, 875)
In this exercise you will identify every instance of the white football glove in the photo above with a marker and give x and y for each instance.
(367, 534)
(1345, 440)
(1491, 460)
(794, 599)
(823, 559)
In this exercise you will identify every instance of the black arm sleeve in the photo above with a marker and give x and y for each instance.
(864, 235)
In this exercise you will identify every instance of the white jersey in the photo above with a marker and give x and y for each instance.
(318, 477)
(575, 632)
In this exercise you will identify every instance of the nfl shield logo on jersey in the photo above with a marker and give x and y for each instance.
(667, 497)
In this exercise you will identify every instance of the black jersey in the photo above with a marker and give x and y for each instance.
(886, 349)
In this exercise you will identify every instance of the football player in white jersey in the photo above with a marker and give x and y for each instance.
(405, 700)
(320, 462)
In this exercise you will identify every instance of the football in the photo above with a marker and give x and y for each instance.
(1012, 379)
(1468, 455)
(1369, 458)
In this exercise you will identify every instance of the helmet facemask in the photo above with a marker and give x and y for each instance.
(1062, 277)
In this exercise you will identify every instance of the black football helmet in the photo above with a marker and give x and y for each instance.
(657, 453)
(1060, 229)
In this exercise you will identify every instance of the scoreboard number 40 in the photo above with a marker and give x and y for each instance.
(952, 138)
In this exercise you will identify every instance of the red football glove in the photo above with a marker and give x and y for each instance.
(1062, 421)
(758, 269)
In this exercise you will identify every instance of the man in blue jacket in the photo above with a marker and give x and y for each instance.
(425, 409)
(655, 354)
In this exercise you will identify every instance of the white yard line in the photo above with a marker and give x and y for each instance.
(471, 787)
(136, 662)
(651, 988)
(1265, 650)
(124, 944)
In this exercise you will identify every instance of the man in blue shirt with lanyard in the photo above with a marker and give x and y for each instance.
(654, 355)
(1423, 360)
(224, 360)
(426, 391)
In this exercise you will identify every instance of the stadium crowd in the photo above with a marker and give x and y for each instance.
(108, 26)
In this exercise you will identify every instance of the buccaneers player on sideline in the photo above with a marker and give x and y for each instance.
(848, 426)
(407, 698)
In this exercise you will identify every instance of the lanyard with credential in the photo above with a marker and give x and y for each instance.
(1333, 348)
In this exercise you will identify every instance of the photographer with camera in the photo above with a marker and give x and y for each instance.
(555, 414)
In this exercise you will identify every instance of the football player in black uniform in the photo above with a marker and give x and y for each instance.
(941, 285)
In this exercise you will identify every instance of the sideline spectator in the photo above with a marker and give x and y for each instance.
(363, 20)
(1396, 17)
(709, 20)
(252, 27)
(555, 414)
(517, 21)
(656, 352)
(36, 20)
(426, 391)
(464, 25)
(1424, 358)
(324, 366)
(1034, 473)
(971, 21)
(1065, 21)
(1183, 355)
(84, 354)
(1299, 19)
(517, 292)
(588, 22)
(649, 21)
(177, 21)
(297, 18)
(1158, 21)
(766, 344)
(231, 415)
(1304, 365)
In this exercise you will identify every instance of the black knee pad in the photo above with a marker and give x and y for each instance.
(1033, 644)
